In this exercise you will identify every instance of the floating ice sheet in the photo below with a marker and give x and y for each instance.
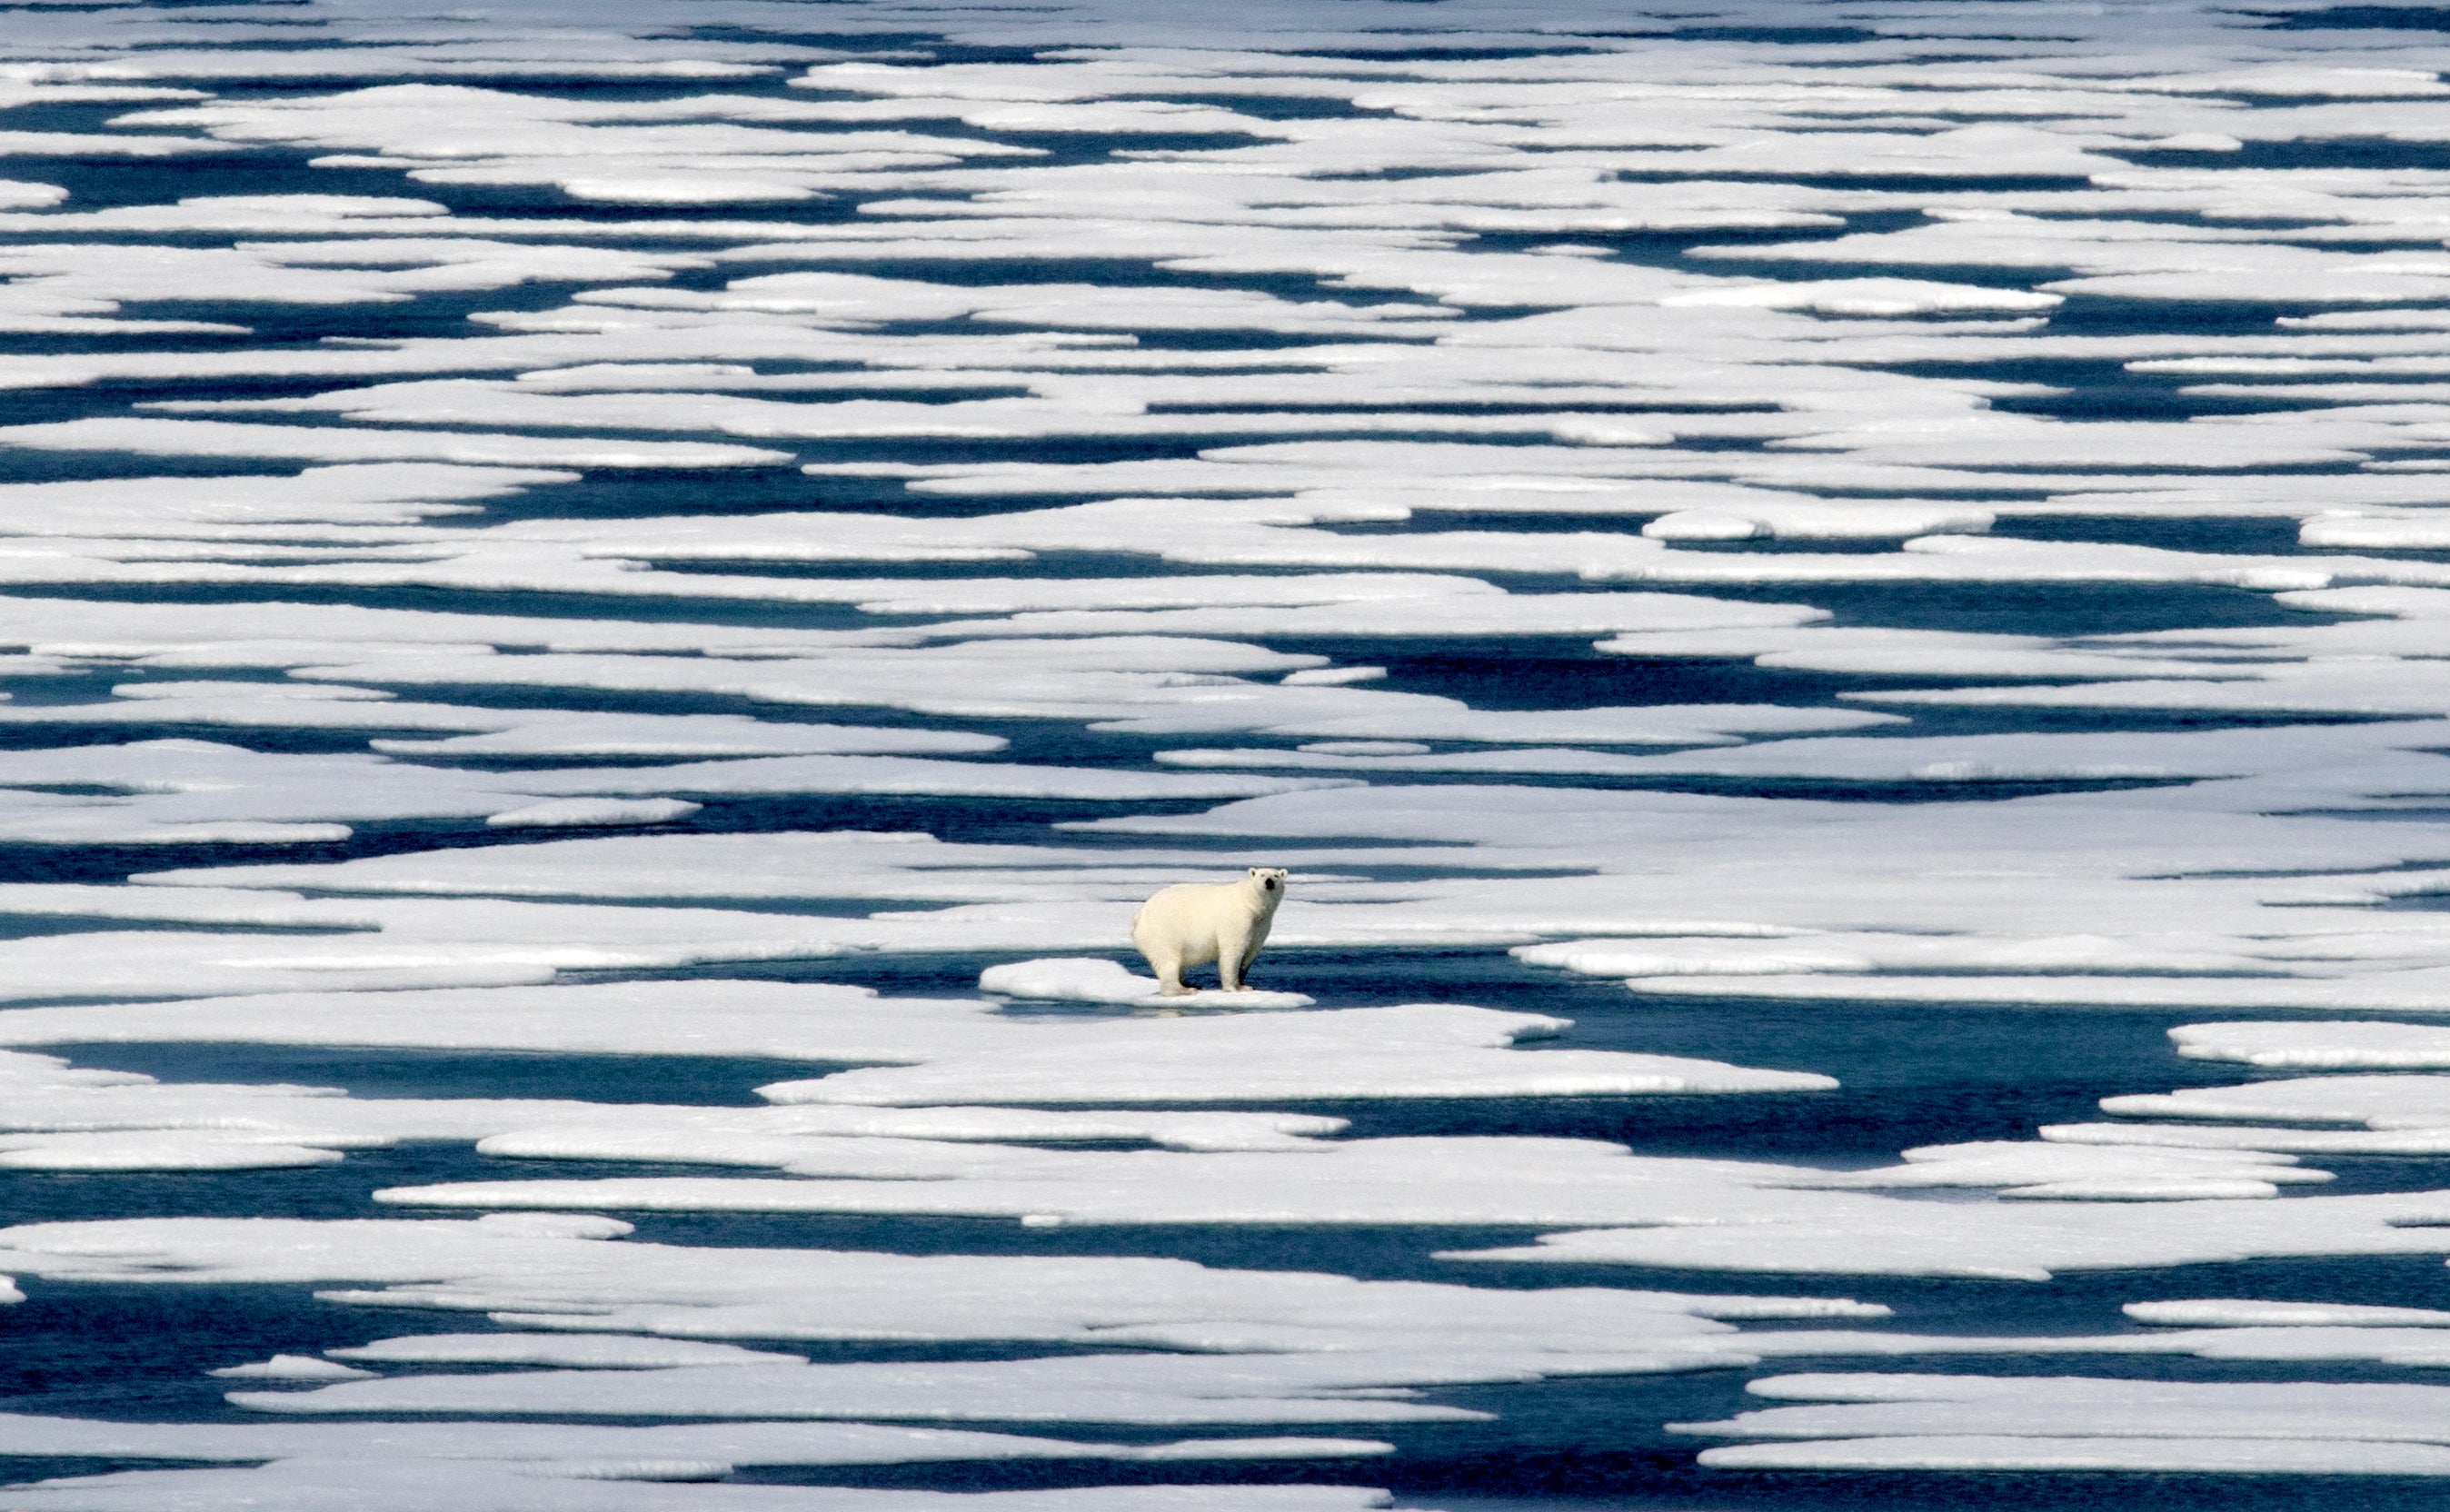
(171, 438)
(473, 1484)
(612, 1351)
(2331, 1045)
(1096, 979)
(2076, 1422)
(1140, 1388)
(297, 1369)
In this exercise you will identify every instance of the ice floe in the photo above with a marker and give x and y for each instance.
(511, 1466)
(299, 1369)
(593, 1350)
(2248, 1314)
(2071, 1422)
(559, 1272)
(2329, 1045)
(572, 812)
(1139, 1388)
(1093, 979)
(613, 1484)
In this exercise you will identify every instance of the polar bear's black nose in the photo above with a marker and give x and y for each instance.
(1270, 884)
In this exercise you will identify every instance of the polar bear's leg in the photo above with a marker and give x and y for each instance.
(1234, 949)
(1167, 962)
(1161, 945)
(1249, 954)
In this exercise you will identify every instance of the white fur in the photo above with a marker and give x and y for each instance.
(1193, 923)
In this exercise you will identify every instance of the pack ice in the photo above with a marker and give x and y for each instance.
(607, 612)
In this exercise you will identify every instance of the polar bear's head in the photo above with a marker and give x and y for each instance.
(1271, 880)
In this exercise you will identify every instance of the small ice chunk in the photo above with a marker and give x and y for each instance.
(551, 1225)
(1364, 748)
(1607, 430)
(2098, 1173)
(1089, 979)
(1703, 524)
(671, 1471)
(1864, 297)
(575, 812)
(158, 1149)
(1333, 676)
(292, 1368)
(2241, 1313)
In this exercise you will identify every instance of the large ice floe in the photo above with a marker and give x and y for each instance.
(606, 611)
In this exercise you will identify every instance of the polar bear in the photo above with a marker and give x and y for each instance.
(1193, 923)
